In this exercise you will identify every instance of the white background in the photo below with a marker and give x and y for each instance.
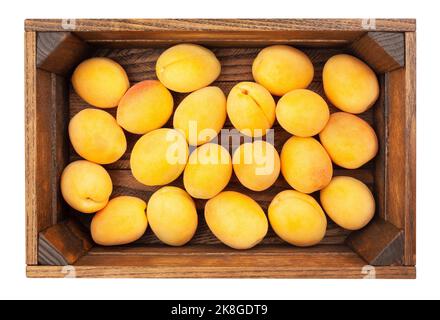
(13, 283)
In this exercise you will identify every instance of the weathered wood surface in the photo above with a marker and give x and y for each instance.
(383, 51)
(213, 261)
(30, 149)
(223, 25)
(59, 52)
(380, 243)
(63, 244)
(401, 161)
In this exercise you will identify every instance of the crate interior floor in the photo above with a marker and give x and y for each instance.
(236, 67)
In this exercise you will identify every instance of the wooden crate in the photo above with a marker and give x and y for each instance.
(58, 241)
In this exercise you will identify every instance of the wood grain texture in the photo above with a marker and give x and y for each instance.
(380, 114)
(410, 110)
(59, 52)
(401, 161)
(63, 244)
(380, 243)
(51, 146)
(220, 271)
(224, 25)
(46, 147)
(153, 38)
(30, 147)
(383, 51)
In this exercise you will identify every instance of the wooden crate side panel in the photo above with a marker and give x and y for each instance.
(410, 101)
(221, 25)
(46, 147)
(401, 156)
(30, 133)
(224, 272)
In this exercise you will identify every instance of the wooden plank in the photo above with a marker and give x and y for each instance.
(225, 42)
(59, 52)
(31, 137)
(383, 51)
(380, 243)
(410, 102)
(176, 271)
(63, 244)
(61, 143)
(46, 147)
(380, 114)
(221, 25)
(401, 172)
(209, 256)
(267, 250)
(51, 146)
(397, 135)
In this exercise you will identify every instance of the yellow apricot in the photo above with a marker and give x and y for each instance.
(350, 141)
(208, 171)
(297, 218)
(349, 83)
(251, 108)
(236, 220)
(348, 202)
(172, 216)
(201, 115)
(302, 112)
(187, 67)
(159, 157)
(256, 165)
(122, 221)
(100, 82)
(96, 136)
(86, 186)
(145, 107)
(282, 68)
(305, 164)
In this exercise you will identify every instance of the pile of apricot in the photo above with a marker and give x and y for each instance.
(319, 140)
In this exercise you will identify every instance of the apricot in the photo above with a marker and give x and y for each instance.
(348, 202)
(256, 165)
(302, 112)
(187, 67)
(349, 83)
(96, 136)
(236, 220)
(201, 115)
(145, 107)
(159, 157)
(282, 68)
(297, 218)
(305, 164)
(122, 221)
(251, 108)
(350, 141)
(100, 82)
(86, 186)
(172, 216)
(208, 171)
